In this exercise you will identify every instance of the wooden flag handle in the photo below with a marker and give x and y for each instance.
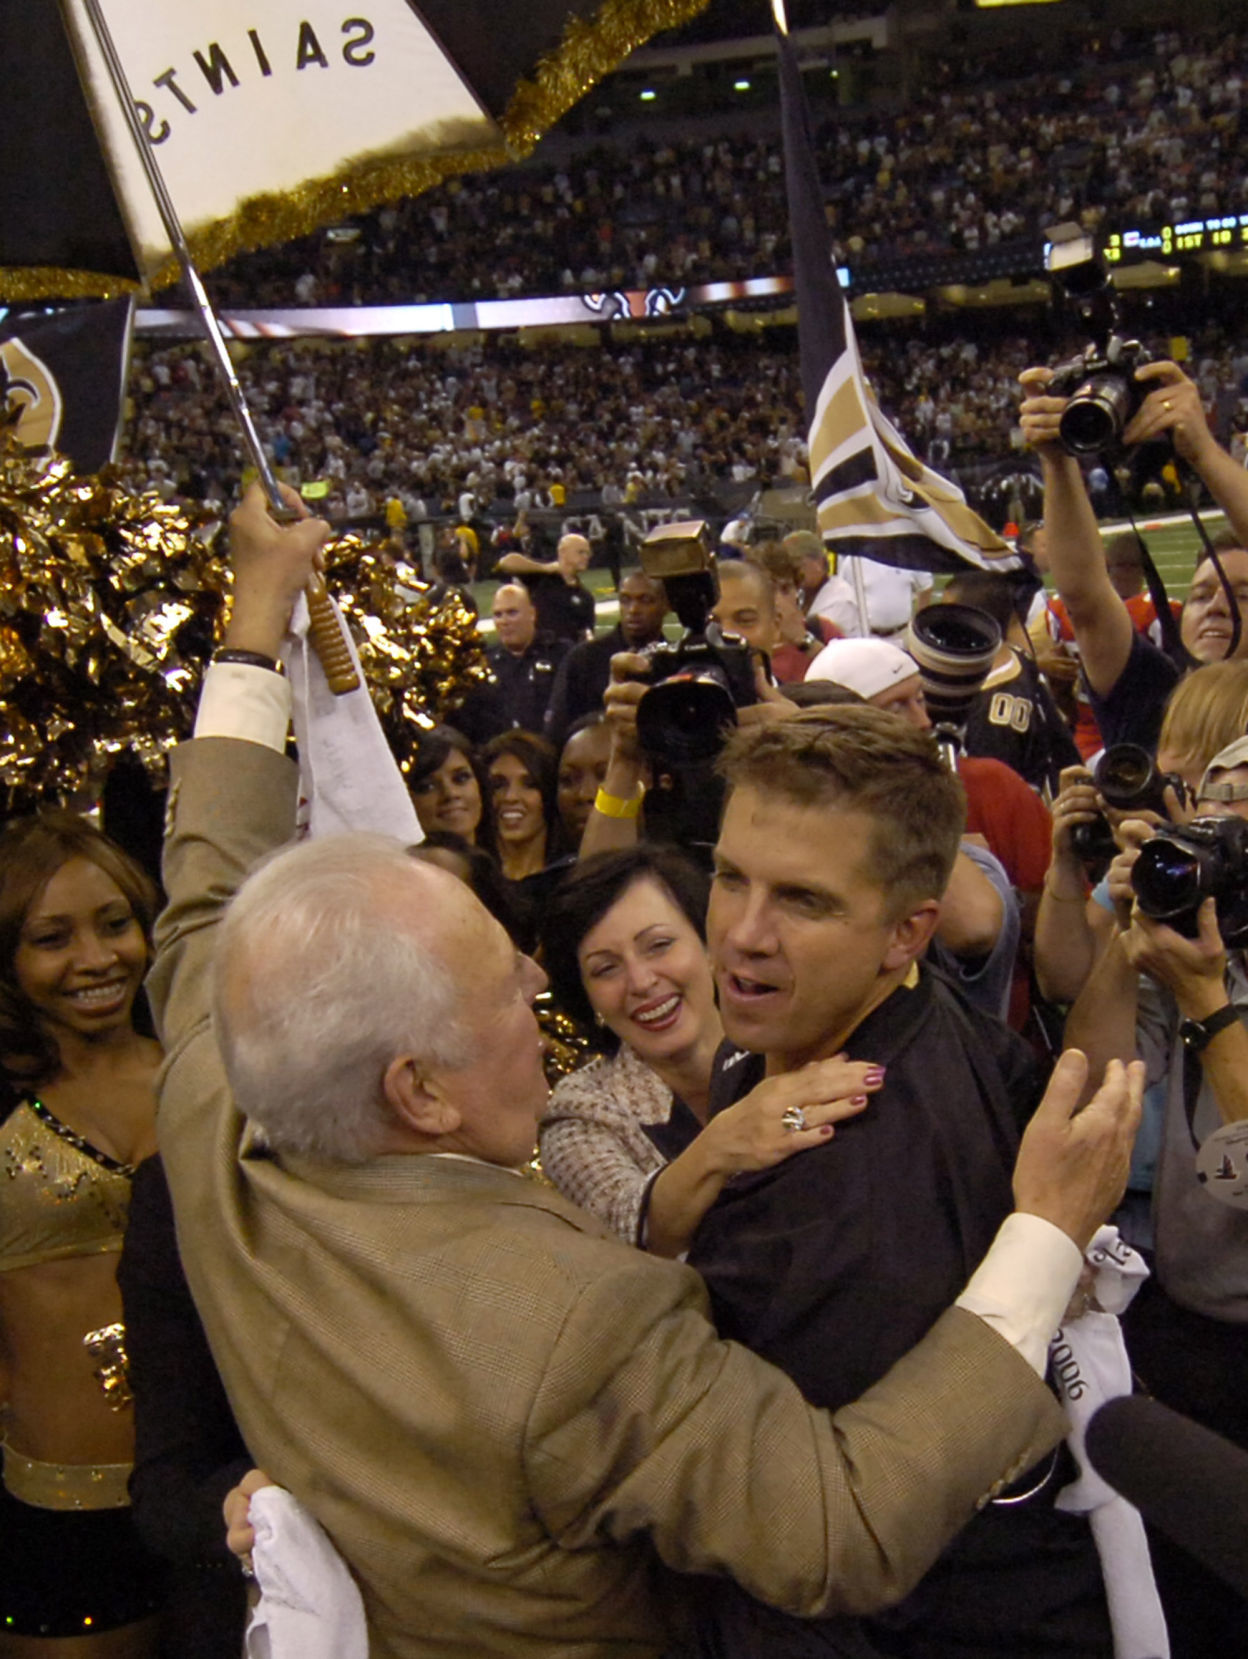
(325, 632)
(324, 624)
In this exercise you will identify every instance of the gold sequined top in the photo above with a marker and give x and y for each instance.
(59, 1195)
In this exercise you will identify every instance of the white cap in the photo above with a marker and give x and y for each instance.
(867, 666)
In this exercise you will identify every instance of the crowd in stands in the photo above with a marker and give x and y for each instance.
(1127, 129)
(521, 429)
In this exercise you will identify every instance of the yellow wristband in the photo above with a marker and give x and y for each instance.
(615, 806)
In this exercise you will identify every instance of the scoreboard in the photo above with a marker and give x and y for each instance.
(1227, 231)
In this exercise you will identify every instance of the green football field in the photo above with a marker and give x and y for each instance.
(1174, 543)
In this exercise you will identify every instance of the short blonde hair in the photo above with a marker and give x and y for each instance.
(1206, 710)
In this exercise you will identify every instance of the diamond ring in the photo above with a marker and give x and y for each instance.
(793, 1119)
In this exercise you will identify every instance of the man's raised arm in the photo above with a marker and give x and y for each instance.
(1102, 624)
(232, 793)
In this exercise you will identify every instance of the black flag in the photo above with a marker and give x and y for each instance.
(62, 377)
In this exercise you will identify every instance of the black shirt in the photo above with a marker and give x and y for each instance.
(564, 610)
(836, 1262)
(1131, 710)
(526, 681)
(583, 678)
(1014, 719)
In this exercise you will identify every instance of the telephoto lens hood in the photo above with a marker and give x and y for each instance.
(954, 646)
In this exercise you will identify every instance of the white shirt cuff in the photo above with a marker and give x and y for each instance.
(1024, 1283)
(241, 701)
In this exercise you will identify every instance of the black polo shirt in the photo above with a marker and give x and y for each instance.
(525, 681)
(565, 611)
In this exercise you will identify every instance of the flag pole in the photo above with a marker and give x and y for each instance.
(324, 627)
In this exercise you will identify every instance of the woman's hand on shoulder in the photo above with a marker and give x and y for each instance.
(792, 1113)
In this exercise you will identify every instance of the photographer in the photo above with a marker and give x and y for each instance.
(1128, 677)
(1175, 999)
(1206, 711)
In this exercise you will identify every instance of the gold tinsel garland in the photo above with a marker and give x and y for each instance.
(111, 604)
(107, 607)
(589, 51)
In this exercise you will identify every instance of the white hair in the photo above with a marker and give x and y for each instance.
(319, 986)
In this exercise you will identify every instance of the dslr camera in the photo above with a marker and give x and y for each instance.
(1126, 778)
(1100, 381)
(1185, 864)
(693, 691)
(697, 685)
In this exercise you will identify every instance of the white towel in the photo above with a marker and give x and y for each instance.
(1090, 1364)
(309, 1605)
(348, 779)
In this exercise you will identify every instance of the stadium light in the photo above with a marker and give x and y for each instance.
(740, 86)
(648, 96)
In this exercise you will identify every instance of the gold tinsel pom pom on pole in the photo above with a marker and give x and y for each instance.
(111, 604)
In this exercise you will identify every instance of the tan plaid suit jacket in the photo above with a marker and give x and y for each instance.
(507, 1421)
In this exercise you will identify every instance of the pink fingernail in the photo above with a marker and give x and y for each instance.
(825, 1129)
(858, 1100)
(874, 1076)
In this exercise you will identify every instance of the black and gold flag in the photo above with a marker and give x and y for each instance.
(62, 377)
(874, 498)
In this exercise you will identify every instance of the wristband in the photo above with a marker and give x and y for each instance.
(1196, 1035)
(615, 806)
(249, 659)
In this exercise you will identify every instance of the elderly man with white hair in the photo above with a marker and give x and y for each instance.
(512, 1427)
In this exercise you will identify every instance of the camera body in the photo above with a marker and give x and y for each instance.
(1104, 394)
(1184, 864)
(1100, 381)
(696, 686)
(1127, 779)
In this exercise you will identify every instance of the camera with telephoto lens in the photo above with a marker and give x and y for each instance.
(1100, 381)
(693, 691)
(1185, 864)
(1127, 779)
(696, 686)
(954, 647)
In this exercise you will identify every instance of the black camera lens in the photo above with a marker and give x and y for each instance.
(1167, 878)
(683, 720)
(1094, 418)
(954, 647)
(1126, 776)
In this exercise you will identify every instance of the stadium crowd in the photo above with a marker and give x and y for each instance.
(1130, 129)
(518, 429)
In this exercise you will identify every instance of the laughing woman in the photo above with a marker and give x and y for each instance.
(629, 1137)
(78, 1114)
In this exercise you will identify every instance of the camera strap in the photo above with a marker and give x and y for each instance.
(1167, 625)
(1237, 622)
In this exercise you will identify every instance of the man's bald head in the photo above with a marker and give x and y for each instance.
(572, 555)
(515, 617)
